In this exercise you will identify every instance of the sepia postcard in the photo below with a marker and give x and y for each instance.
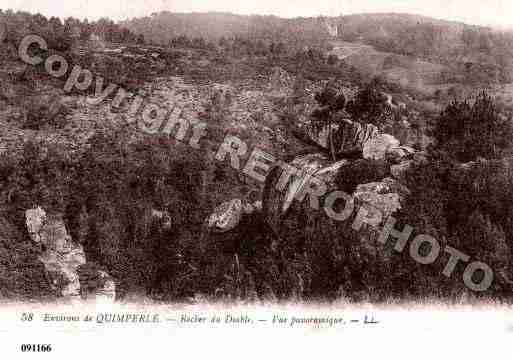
(287, 178)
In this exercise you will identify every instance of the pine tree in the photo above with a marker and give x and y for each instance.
(330, 103)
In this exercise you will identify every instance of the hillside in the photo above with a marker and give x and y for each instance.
(470, 54)
(106, 196)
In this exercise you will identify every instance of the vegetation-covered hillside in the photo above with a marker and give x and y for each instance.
(170, 222)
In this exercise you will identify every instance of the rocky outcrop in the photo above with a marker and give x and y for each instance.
(353, 135)
(22, 275)
(63, 258)
(385, 196)
(373, 179)
(35, 220)
(300, 228)
(366, 180)
(347, 136)
(367, 139)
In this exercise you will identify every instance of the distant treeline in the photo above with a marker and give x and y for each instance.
(163, 27)
(60, 35)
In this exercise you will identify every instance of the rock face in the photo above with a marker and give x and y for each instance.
(366, 138)
(373, 180)
(354, 135)
(61, 256)
(348, 136)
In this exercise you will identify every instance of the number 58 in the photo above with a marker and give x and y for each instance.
(27, 317)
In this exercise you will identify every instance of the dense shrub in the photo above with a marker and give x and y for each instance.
(370, 105)
(470, 130)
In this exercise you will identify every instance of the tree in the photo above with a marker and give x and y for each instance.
(370, 104)
(468, 131)
(330, 102)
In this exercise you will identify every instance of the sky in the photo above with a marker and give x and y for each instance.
(498, 13)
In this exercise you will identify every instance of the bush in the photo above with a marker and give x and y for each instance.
(468, 131)
(369, 105)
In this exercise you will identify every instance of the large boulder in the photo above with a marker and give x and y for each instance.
(398, 154)
(378, 147)
(354, 135)
(35, 219)
(348, 136)
(351, 137)
(226, 216)
(385, 196)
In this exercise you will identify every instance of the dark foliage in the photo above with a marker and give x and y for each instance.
(324, 117)
(370, 104)
(471, 130)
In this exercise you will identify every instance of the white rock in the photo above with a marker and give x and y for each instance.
(226, 216)
(62, 257)
(377, 147)
(35, 219)
(396, 154)
(384, 196)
